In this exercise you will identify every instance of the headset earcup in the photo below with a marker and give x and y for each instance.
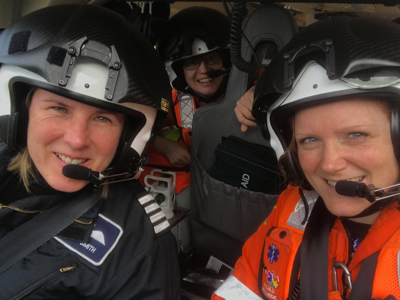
(394, 131)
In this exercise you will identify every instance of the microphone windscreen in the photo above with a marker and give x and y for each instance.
(351, 188)
(77, 172)
(217, 73)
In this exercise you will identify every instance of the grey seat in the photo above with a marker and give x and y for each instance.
(223, 216)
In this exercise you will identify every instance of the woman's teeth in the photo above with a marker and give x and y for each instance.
(69, 160)
(205, 80)
(355, 179)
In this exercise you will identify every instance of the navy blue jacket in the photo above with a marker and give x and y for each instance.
(111, 252)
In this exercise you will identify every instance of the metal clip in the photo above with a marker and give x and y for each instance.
(346, 272)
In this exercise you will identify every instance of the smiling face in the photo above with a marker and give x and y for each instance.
(345, 140)
(198, 79)
(62, 131)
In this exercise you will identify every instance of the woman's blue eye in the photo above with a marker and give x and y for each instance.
(357, 135)
(308, 140)
(103, 119)
(59, 108)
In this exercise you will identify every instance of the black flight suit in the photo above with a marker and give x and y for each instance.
(111, 252)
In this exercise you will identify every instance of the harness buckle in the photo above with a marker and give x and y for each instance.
(346, 271)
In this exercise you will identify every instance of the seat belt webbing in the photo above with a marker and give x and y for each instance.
(314, 254)
(41, 228)
(362, 288)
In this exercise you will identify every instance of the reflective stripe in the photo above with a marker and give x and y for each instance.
(161, 227)
(297, 216)
(158, 216)
(151, 207)
(233, 289)
(146, 199)
(154, 212)
(187, 110)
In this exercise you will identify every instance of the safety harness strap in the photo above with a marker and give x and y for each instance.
(260, 273)
(37, 231)
(294, 286)
(362, 288)
(314, 254)
(314, 261)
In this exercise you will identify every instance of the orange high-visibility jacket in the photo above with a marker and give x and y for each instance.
(282, 233)
(184, 107)
(182, 116)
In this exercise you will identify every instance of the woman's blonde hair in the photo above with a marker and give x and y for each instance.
(23, 165)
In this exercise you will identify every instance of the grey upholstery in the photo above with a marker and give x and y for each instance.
(224, 217)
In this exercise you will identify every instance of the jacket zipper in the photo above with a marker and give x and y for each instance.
(58, 274)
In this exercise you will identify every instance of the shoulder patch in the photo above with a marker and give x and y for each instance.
(104, 238)
(154, 212)
(297, 216)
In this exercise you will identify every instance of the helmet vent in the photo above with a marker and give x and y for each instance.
(56, 56)
(19, 42)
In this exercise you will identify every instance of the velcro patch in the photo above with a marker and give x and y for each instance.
(56, 56)
(104, 238)
(19, 42)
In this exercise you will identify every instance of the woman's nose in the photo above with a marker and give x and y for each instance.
(77, 135)
(333, 159)
(203, 67)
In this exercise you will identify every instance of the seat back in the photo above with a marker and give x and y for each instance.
(223, 216)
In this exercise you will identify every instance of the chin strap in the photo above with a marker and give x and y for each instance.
(376, 207)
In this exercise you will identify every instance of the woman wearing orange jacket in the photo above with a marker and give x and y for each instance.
(331, 103)
(195, 50)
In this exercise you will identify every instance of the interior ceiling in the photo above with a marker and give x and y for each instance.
(307, 13)
(304, 13)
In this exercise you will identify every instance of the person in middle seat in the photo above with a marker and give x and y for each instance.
(195, 49)
(197, 58)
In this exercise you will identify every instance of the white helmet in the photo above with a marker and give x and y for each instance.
(89, 54)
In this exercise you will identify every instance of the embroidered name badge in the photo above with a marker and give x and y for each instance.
(104, 238)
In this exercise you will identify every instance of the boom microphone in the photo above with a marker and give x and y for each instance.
(361, 190)
(351, 188)
(79, 172)
(217, 73)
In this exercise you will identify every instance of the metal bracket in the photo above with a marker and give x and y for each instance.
(111, 59)
(290, 58)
